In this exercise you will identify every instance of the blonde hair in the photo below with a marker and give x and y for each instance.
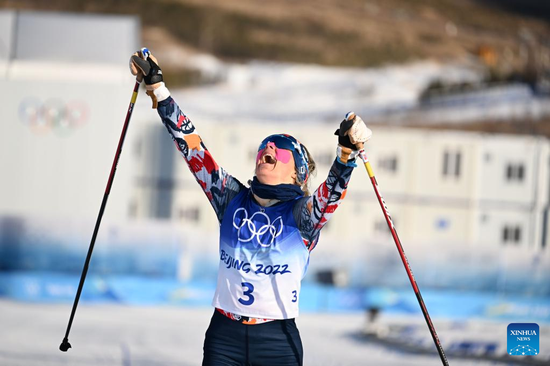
(311, 167)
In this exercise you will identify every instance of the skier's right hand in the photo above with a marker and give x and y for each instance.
(147, 68)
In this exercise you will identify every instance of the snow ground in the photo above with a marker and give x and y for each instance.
(121, 335)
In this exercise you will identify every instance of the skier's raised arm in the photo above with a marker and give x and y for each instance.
(313, 212)
(218, 185)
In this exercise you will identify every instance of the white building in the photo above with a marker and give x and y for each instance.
(465, 204)
(440, 185)
(65, 90)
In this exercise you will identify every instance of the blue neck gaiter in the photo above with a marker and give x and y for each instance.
(281, 192)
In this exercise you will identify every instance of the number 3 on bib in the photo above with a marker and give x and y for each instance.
(247, 293)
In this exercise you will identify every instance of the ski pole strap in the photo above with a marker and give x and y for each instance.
(153, 98)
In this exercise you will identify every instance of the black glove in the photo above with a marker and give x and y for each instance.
(343, 139)
(152, 73)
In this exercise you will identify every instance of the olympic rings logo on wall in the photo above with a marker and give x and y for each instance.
(53, 115)
(247, 229)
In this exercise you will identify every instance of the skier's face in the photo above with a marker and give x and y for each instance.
(275, 166)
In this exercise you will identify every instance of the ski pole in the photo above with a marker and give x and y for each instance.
(404, 259)
(65, 345)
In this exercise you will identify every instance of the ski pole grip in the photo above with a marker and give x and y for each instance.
(145, 53)
(350, 116)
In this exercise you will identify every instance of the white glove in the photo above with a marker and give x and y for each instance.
(352, 131)
(358, 132)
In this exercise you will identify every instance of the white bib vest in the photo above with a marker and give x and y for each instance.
(262, 260)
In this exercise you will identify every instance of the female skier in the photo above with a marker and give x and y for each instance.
(267, 231)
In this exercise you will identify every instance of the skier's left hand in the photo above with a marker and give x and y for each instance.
(353, 131)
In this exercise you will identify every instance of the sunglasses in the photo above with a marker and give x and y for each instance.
(287, 142)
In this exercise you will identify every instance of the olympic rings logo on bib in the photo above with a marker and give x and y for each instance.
(248, 230)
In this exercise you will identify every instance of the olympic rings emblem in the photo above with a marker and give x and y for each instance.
(247, 229)
(53, 114)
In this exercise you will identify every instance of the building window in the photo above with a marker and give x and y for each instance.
(452, 161)
(389, 164)
(381, 226)
(133, 209)
(189, 214)
(515, 172)
(138, 148)
(511, 234)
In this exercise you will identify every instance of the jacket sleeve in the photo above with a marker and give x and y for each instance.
(218, 185)
(313, 212)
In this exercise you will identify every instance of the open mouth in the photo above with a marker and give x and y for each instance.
(268, 159)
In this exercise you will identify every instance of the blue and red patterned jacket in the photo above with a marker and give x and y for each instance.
(311, 213)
